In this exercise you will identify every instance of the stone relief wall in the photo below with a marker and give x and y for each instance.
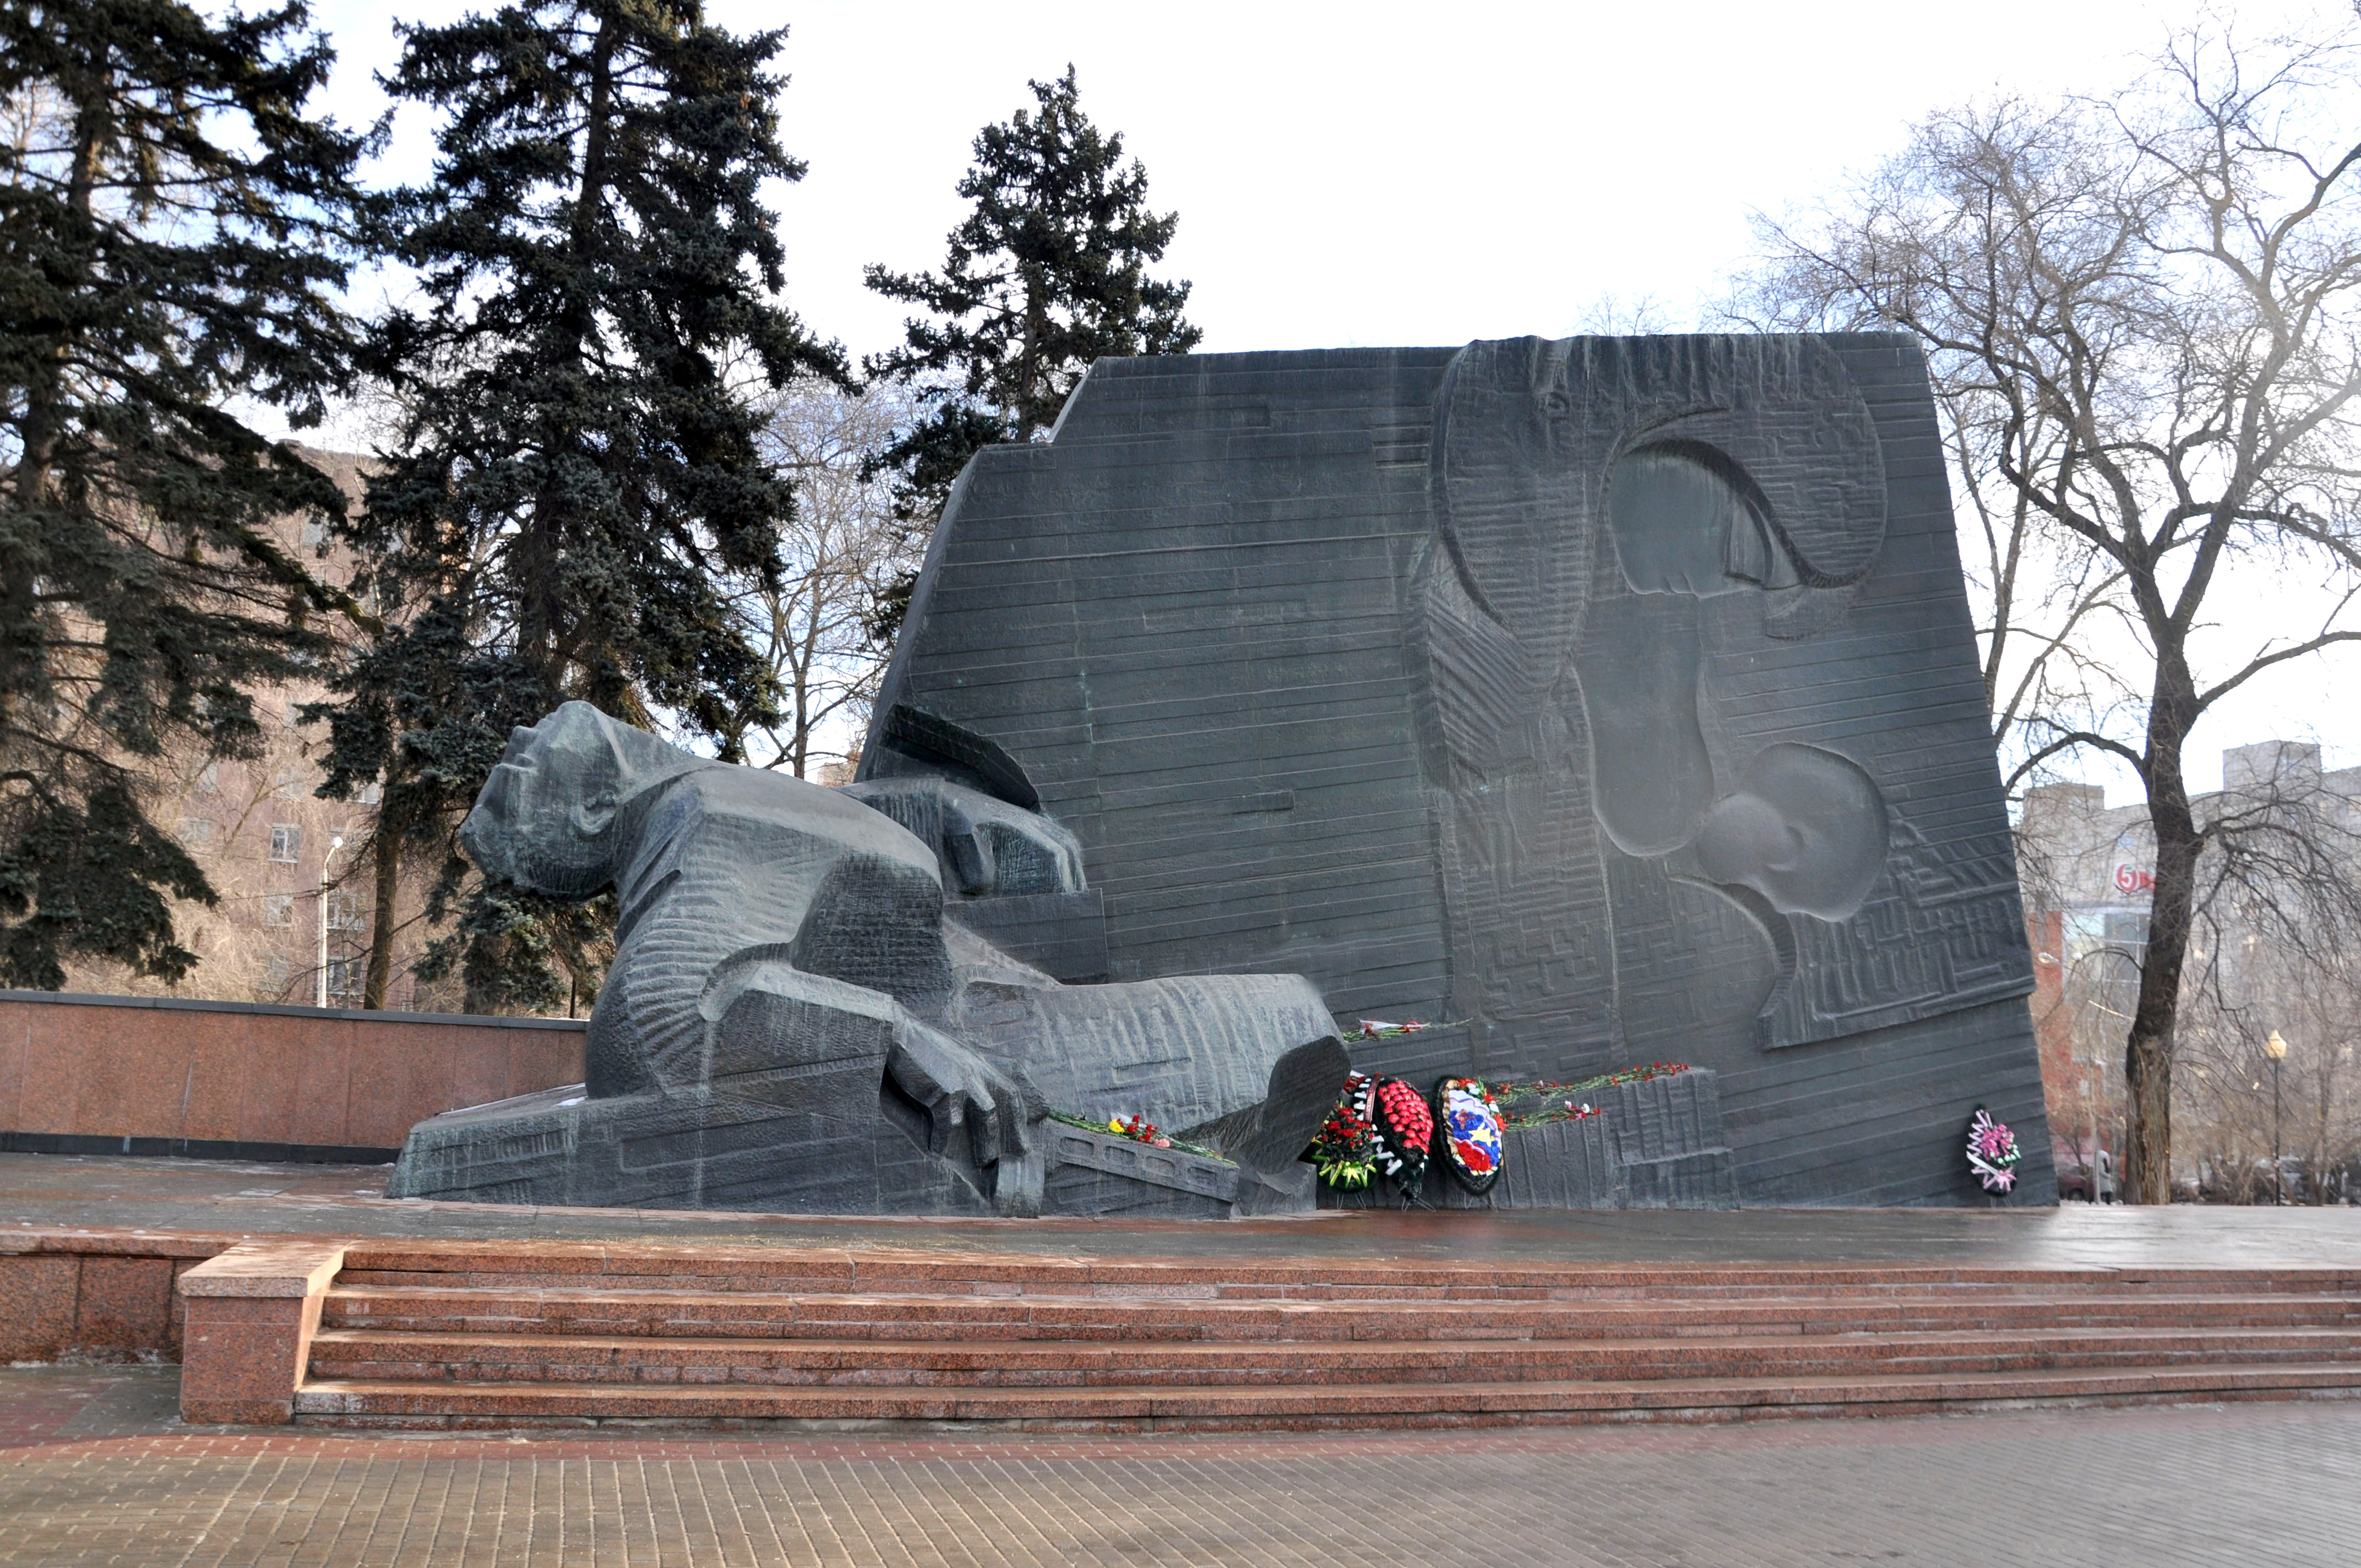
(1614, 698)
(1619, 526)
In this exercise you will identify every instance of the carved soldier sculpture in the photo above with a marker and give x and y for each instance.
(791, 1022)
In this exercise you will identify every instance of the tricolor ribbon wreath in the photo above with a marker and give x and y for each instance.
(1469, 1121)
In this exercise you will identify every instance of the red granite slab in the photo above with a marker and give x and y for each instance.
(124, 1303)
(37, 1305)
(249, 1316)
(1287, 1407)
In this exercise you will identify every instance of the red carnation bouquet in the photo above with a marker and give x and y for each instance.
(1140, 1130)
(1403, 1133)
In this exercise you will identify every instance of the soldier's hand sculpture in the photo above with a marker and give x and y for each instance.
(790, 1023)
(986, 846)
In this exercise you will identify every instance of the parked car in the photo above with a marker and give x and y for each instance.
(2074, 1182)
(2255, 1182)
(2293, 1178)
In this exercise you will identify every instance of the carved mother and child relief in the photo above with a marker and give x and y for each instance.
(1617, 523)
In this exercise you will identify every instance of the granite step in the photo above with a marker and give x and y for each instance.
(445, 1358)
(506, 1265)
(391, 1403)
(493, 1334)
(745, 1314)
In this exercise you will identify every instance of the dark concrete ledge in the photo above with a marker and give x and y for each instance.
(276, 1010)
(197, 1148)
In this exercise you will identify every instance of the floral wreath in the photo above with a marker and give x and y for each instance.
(1402, 1133)
(1378, 1124)
(1469, 1121)
(1344, 1149)
(1992, 1153)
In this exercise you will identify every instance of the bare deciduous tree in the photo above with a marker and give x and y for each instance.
(2233, 1114)
(2272, 952)
(2139, 314)
(843, 551)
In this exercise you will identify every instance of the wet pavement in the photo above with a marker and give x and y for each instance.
(95, 1469)
(46, 1191)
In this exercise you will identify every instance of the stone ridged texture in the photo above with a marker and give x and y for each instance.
(1669, 1143)
(1655, 1144)
(1486, 685)
(1101, 1173)
(791, 1024)
(489, 1335)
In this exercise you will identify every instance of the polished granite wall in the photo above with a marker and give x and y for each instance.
(255, 1082)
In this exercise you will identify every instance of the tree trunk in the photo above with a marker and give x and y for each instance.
(2147, 1054)
(804, 656)
(543, 637)
(1028, 359)
(387, 867)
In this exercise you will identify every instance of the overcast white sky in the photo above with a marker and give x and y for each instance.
(1368, 174)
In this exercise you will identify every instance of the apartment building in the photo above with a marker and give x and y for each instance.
(295, 898)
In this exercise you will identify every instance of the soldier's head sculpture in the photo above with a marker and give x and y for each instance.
(543, 819)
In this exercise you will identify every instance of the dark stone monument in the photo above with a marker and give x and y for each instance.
(1613, 699)
(794, 1020)
(1653, 1144)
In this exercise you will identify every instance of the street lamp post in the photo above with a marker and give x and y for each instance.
(335, 843)
(2094, 1101)
(2276, 1049)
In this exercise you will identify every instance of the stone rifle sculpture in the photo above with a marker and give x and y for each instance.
(791, 1023)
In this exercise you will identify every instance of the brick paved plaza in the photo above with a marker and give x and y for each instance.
(95, 1471)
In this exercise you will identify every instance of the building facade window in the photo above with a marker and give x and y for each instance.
(345, 911)
(278, 909)
(196, 832)
(345, 976)
(286, 841)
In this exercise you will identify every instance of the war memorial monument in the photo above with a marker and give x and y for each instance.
(1609, 707)
(1599, 702)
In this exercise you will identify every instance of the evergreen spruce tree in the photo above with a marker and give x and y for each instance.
(173, 234)
(577, 473)
(1047, 273)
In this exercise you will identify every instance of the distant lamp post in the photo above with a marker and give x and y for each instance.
(335, 843)
(2276, 1049)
